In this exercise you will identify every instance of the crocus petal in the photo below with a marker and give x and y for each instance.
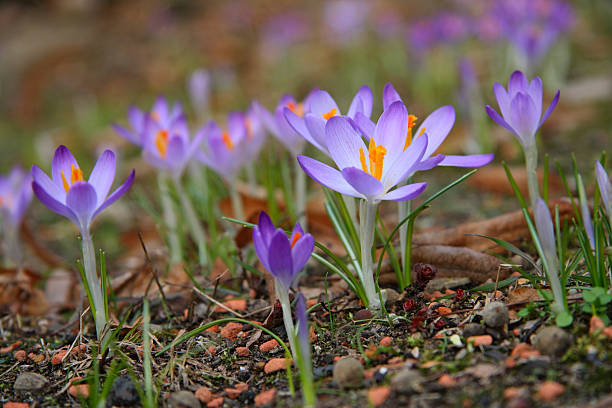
(160, 111)
(266, 227)
(503, 99)
(126, 134)
(524, 119)
(392, 130)
(362, 102)
(498, 119)
(261, 248)
(405, 163)
(605, 187)
(405, 193)
(195, 145)
(343, 143)
(45, 183)
(53, 204)
(296, 122)
(321, 103)
(179, 127)
(267, 118)
(427, 164)
(551, 108)
(518, 83)
(390, 95)
(103, 174)
(437, 126)
(326, 176)
(82, 200)
(121, 190)
(136, 117)
(316, 132)
(365, 125)
(297, 229)
(24, 198)
(63, 160)
(361, 181)
(175, 153)
(535, 92)
(301, 252)
(279, 258)
(544, 227)
(473, 160)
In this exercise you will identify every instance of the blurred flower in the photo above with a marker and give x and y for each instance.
(165, 116)
(70, 195)
(444, 28)
(521, 107)
(282, 256)
(282, 31)
(255, 134)
(437, 126)
(605, 188)
(345, 19)
(198, 86)
(15, 195)
(310, 123)
(370, 172)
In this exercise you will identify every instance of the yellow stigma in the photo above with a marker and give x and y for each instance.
(161, 142)
(76, 174)
(376, 156)
(330, 114)
(411, 120)
(227, 140)
(296, 108)
(295, 239)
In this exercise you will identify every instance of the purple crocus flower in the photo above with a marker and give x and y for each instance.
(282, 256)
(370, 172)
(605, 188)
(437, 127)
(521, 107)
(255, 134)
(67, 193)
(15, 195)
(165, 116)
(198, 86)
(322, 107)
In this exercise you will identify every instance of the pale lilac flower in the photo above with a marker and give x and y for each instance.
(198, 86)
(15, 195)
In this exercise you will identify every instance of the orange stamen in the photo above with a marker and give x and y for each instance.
(161, 142)
(330, 114)
(364, 167)
(227, 140)
(380, 157)
(376, 155)
(411, 121)
(295, 239)
(76, 174)
(296, 108)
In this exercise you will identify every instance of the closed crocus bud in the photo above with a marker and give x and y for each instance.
(605, 188)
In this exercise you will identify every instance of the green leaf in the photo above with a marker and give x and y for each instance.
(564, 319)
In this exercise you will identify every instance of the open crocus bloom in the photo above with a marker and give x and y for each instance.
(167, 145)
(277, 123)
(370, 172)
(437, 126)
(282, 256)
(521, 107)
(15, 195)
(225, 149)
(69, 194)
(161, 111)
(322, 107)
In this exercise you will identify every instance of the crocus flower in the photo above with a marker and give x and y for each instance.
(255, 134)
(69, 194)
(282, 256)
(15, 195)
(437, 127)
(370, 172)
(322, 107)
(605, 188)
(521, 107)
(198, 86)
(161, 111)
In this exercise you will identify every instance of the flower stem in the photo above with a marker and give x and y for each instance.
(194, 223)
(89, 265)
(282, 294)
(531, 164)
(300, 195)
(169, 219)
(236, 203)
(11, 242)
(367, 214)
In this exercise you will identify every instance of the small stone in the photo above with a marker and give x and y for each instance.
(212, 350)
(242, 351)
(549, 390)
(484, 340)
(390, 296)
(275, 364)
(495, 314)
(204, 394)
(58, 357)
(123, 393)
(377, 396)
(447, 381)
(348, 373)
(551, 341)
(407, 381)
(20, 355)
(80, 390)
(443, 310)
(215, 403)
(265, 397)
(268, 346)
(237, 305)
(29, 381)
(511, 393)
(37, 358)
(183, 399)
(386, 341)
(363, 314)
(473, 329)
(230, 331)
(11, 404)
(238, 389)
(9, 348)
